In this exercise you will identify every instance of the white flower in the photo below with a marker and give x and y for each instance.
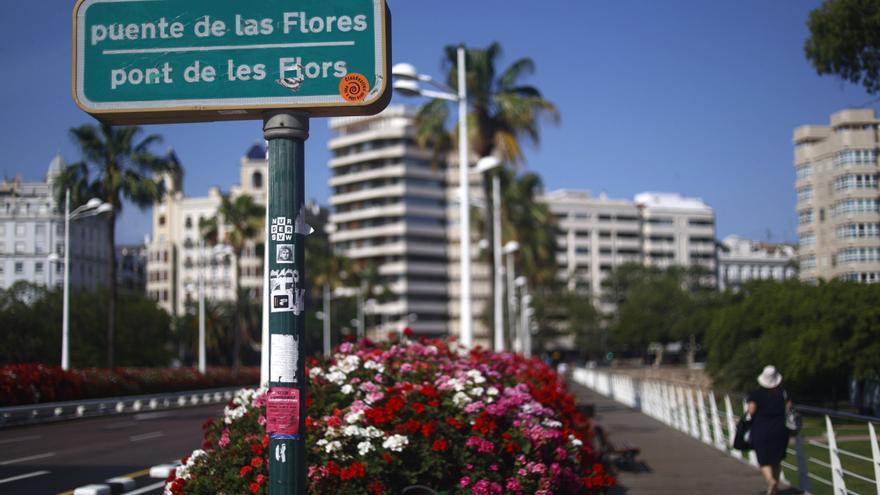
(460, 399)
(347, 389)
(336, 377)
(574, 441)
(375, 365)
(395, 443)
(349, 364)
(365, 447)
(552, 423)
(316, 371)
(476, 376)
(332, 446)
(477, 391)
(492, 391)
(372, 432)
(354, 417)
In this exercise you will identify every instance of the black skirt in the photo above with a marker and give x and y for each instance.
(769, 436)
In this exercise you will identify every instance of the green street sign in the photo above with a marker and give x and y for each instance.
(154, 61)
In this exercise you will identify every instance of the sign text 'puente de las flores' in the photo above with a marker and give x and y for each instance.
(150, 61)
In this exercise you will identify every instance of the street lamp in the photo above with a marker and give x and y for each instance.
(217, 252)
(526, 312)
(509, 248)
(484, 166)
(92, 207)
(407, 83)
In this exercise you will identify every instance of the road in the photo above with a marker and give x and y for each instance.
(59, 457)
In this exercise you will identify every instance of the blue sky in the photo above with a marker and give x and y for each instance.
(693, 97)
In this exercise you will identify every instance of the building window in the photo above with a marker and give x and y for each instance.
(19, 230)
(858, 255)
(19, 247)
(19, 267)
(38, 267)
(805, 194)
(257, 180)
(161, 220)
(808, 263)
(188, 223)
(856, 205)
(803, 171)
(805, 217)
(855, 181)
(807, 239)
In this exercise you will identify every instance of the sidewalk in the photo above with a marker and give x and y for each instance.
(673, 462)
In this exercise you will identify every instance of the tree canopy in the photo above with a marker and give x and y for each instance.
(845, 41)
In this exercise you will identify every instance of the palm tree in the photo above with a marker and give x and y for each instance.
(503, 113)
(116, 166)
(241, 221)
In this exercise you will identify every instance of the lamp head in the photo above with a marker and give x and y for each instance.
(104, 208)
(408, 87)
(511, 247)
(483, 244)
(405, 71)
(520, 281)
(93, 203)
(487, 163)
(53, 258)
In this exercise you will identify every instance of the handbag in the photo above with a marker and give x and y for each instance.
(742, 440)
(792, 420)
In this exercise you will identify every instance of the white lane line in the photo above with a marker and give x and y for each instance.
(23, 476)
(28, 458)
(154, 415)
(146, 436)
(20, 439)
(145, 489)
(184, 49)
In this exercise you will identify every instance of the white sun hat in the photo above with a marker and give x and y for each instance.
(770, 377)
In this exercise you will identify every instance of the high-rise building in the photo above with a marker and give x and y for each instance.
(838, 203)
(131, 268)
(32, 227)
(597, 234)
(389, 209)
(742, 260)
(174, 257)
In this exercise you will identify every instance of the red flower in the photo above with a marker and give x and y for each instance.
(418, 407)
(408, 331)
(254, 487)
(439, 445)
(375, 488)
(257, 462)
(244, 471)
(256, 448)
(429, 428)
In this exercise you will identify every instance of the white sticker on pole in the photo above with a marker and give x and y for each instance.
(283, 358)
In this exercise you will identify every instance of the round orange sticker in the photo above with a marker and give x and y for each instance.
(354, 87)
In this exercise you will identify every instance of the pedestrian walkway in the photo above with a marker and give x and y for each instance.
(670, 461)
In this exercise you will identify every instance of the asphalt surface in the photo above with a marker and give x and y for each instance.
(59, 457)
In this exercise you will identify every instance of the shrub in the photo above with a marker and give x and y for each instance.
(383, 417)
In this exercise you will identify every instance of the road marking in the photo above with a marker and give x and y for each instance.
(23, 476)
(28, 458)
(146, 436)
(135, 474)
(20, 439)
(154, 415)
(145, 489)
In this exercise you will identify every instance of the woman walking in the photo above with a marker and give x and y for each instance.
(769, 437)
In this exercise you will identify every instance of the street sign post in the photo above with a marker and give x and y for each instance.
(155, 61)
(282, 61)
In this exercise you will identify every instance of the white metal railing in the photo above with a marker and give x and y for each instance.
(684, 408)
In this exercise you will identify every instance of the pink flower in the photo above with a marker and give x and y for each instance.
(464, 481)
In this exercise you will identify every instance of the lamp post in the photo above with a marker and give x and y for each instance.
(525, 311)
(484, 166)
(407, 83)
(92, 207)
(218, 251)
(509, 248)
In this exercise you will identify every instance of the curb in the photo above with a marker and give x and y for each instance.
(163, 471)
(112, 486)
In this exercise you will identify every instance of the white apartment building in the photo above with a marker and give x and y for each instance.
(838, 197)
(32, 227)
(657, 229)
(742, 260)
(173, 254)
(389, 208)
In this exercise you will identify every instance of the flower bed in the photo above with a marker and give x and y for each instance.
(383, 417)
(37, 383)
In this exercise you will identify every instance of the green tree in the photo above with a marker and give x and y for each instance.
(845, 41)
(560, 314)
(117, 166)
(239, 221)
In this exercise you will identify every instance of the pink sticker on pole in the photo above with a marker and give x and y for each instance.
(282, 411)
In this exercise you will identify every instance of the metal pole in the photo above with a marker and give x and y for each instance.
(202, 357)
(264, 337)
(65, 319)
(465, 329)
(524, 322)
(361, 329)
(511, 301)
(496, 248)
(326, 319)
(286, 132)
